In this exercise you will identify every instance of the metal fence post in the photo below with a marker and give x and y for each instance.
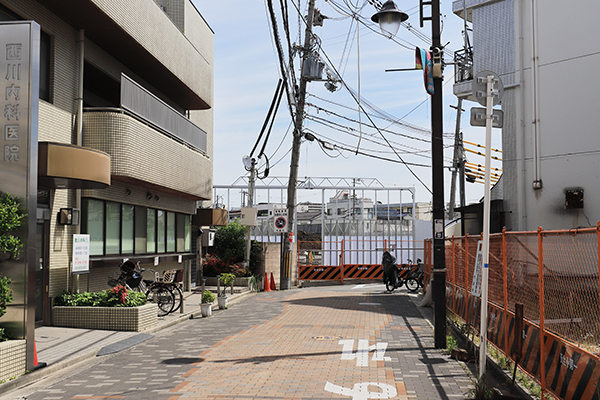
(453, 275)
(541, 286)
(467, 291)
(342, 263)
(598, 251)
(505, 284)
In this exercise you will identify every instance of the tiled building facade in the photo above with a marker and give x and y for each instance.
(159, 142)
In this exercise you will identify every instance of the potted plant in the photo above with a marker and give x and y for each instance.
(206, 306)
(227, 280)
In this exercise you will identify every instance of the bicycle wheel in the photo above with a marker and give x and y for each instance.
(178, 293)
(163, 297)
(412, 285)
(389, 285)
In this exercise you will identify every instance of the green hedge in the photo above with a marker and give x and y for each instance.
(118, 296)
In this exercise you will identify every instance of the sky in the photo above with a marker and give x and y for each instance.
(246, 73)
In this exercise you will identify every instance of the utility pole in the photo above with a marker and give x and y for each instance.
(437, 172)
(250, 204)
(457, 160)
(286, 266)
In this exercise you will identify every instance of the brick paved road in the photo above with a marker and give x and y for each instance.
(330, 342)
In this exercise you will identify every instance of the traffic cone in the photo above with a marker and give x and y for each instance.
(273, 287)
(35, 359)
(267, 287)
(37, 365)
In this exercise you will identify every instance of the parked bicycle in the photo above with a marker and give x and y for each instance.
(156, 292)
(395, 277)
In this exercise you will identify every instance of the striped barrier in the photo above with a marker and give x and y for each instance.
(569, 372)
(319, 273)
(362, 271)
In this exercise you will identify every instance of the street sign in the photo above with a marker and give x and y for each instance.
(476, 285)
(480, 88)
(280, 220)
(478, 116)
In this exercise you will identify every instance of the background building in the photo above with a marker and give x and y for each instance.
(543, 53)
(125, 134)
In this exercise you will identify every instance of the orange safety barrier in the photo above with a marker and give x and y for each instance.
(556, 276)
(353, 258)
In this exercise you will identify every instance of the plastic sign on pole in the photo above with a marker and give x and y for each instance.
(81, 254)
(280, 221)
(476, 286)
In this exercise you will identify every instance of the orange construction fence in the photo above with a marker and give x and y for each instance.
(555, 275)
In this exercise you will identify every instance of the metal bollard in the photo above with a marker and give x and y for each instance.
(182, 302)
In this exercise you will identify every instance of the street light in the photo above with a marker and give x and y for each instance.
(389, 15)
(389, 18)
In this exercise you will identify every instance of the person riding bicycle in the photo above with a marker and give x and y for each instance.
(390, 269)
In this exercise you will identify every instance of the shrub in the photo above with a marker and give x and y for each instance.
(11, 219)
(6, 297)
(230, 252)
(227, 279)
(208, 297)
(230, 242)
(118, 296)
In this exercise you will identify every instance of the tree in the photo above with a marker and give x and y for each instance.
(230, 249)
(230, 242)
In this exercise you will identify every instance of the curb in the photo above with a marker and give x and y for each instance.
(73, 362)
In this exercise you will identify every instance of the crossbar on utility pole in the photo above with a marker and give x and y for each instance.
(457, 159)
(286, 265)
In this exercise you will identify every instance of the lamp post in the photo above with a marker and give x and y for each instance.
(389, 19)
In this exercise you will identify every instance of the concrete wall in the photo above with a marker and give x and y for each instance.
(272, 262)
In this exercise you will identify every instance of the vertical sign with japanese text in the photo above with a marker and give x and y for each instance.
(476, 285)
(19, 103)
(81, 254)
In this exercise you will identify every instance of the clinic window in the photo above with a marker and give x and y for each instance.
(126, 229)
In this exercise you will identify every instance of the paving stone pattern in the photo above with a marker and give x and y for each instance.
(281, 345)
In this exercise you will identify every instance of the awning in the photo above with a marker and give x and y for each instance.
(66, 166)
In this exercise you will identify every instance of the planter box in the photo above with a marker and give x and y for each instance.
(135, 319)
(12, 359)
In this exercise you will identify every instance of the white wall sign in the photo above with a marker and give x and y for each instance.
(81, 254)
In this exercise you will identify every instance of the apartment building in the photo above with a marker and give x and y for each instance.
(125, 135)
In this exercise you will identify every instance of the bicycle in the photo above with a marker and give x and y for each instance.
(156, 292)
(395, 278)
(172, 279)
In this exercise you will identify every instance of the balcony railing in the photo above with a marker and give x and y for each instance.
(463, 70)
(140, 102)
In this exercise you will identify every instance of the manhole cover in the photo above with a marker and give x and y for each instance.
(327, 337)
